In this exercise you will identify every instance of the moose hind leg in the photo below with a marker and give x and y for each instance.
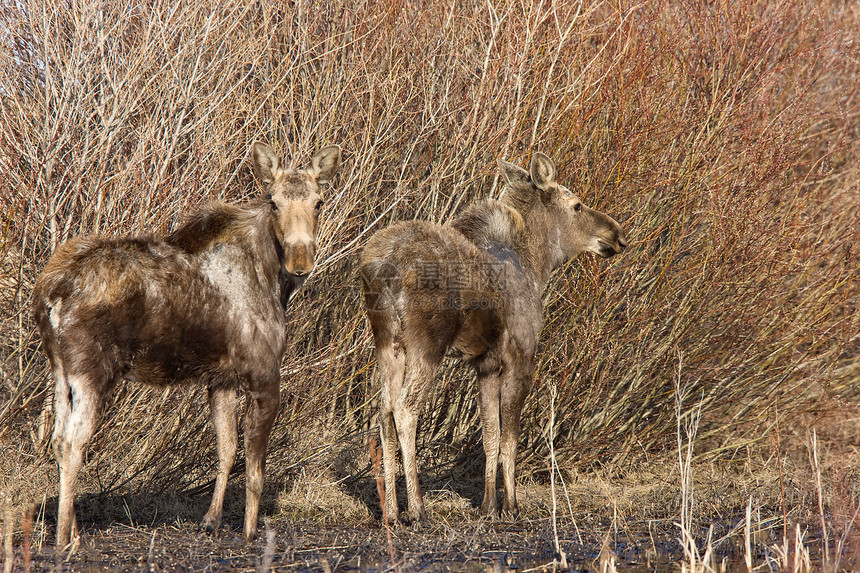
(418, 376)
(488, 396)
(224, 403)
(77, 404)
(262, 409)
(62, 412)
(513, 394)
(392, 363)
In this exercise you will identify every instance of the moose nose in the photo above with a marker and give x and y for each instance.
(302, 269)
(622, 241)
(299, 258)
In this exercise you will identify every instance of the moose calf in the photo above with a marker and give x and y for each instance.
(205, 303)
(474, 287)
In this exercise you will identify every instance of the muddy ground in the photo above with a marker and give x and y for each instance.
(309, 547)
(305, 546)
(318, 525)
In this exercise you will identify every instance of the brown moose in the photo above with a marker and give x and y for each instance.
(204, 303)
(473, 287)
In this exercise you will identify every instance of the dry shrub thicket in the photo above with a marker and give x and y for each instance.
(723, 136)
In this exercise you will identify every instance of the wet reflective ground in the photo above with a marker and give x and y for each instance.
(492, 547)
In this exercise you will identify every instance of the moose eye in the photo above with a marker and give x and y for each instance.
(577, 207)
(319, 205)
(273, 205)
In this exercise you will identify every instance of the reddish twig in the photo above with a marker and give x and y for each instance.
(27, 526)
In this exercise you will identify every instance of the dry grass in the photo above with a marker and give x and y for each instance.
(724, 136)
(319, 499)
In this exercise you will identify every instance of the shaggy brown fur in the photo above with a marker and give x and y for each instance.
(204, 303)
(472, 287)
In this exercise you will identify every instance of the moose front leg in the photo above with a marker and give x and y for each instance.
(262, 409)
(224, 403)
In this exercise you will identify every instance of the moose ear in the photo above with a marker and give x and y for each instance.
(325, 163)
(542, 171)
(513, 174)
(265, 162)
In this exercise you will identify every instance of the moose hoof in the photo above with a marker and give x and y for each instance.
(210, 524)
(414, 521)
(510, 509)
(489, 509)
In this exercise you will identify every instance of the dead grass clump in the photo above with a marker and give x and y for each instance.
(318, 499)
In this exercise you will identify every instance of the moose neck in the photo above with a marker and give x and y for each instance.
(539, 244)
(524, 227)
(543, 245)
(269, 254)
(248, 227)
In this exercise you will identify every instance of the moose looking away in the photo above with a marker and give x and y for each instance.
(472, 286)
(204, 303)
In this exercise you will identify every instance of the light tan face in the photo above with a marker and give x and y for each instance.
(296, 205)
(584, 229)
(296, 202)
